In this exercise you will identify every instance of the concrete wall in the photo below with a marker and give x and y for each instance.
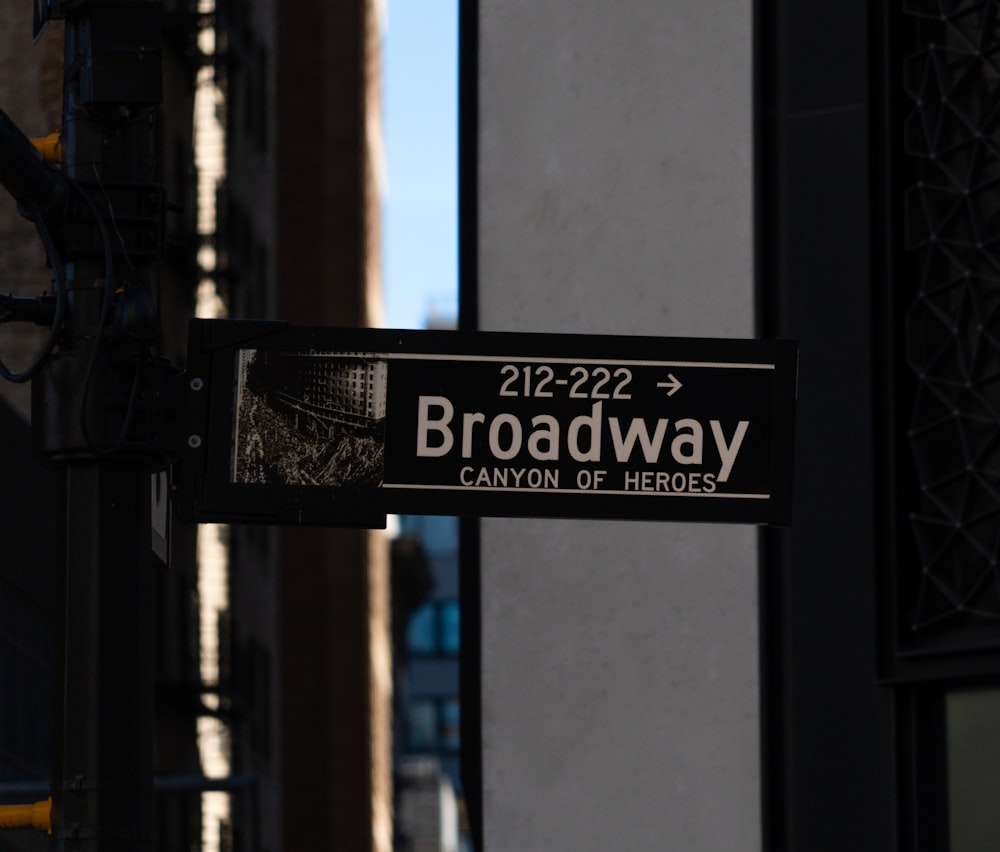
(620, 675)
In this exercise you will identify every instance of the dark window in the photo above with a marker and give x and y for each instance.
(435, 629)
(434, 724)
(973, 755)
(944, 265)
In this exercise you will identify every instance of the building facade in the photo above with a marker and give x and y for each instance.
(776, 170)
(272, 660)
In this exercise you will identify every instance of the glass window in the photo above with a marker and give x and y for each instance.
(423, 729)
(972, 720)
(421, 635)
(450, 627)
(435, 629)
(451, 727)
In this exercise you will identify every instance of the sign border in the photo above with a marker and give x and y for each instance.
(204, 492)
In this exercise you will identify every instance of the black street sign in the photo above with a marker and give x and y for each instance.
(342, 426)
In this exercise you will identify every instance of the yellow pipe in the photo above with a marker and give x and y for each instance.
(50, 146)
(38, 815)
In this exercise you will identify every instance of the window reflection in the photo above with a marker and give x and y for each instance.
(435, 629)
(973, 742)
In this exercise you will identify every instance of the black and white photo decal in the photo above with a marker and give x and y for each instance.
(309, 418)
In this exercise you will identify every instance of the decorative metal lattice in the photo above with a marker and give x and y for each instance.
(952, 324)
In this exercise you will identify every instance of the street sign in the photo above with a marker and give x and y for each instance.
(342, 426)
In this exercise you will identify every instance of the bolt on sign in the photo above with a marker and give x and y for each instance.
(335, 426)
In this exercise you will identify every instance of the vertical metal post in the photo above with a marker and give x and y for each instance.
(103, 792)
(93, 414)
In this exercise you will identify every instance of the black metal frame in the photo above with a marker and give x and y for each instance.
(469, 529)
(959, 643)
(892, 721)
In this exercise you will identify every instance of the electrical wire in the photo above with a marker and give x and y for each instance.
(129, 413)
(59, 284)
(111, 216)
(106, 301)
(102, 319)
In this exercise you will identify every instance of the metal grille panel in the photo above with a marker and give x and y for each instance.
(951, 232)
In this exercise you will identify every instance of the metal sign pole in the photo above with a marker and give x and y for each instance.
(95, 413)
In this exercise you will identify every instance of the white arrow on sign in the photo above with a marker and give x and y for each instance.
(674, 384)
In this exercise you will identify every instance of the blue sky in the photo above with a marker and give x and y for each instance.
(420, 119)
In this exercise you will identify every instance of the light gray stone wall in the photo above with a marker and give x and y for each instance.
(620, 672)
